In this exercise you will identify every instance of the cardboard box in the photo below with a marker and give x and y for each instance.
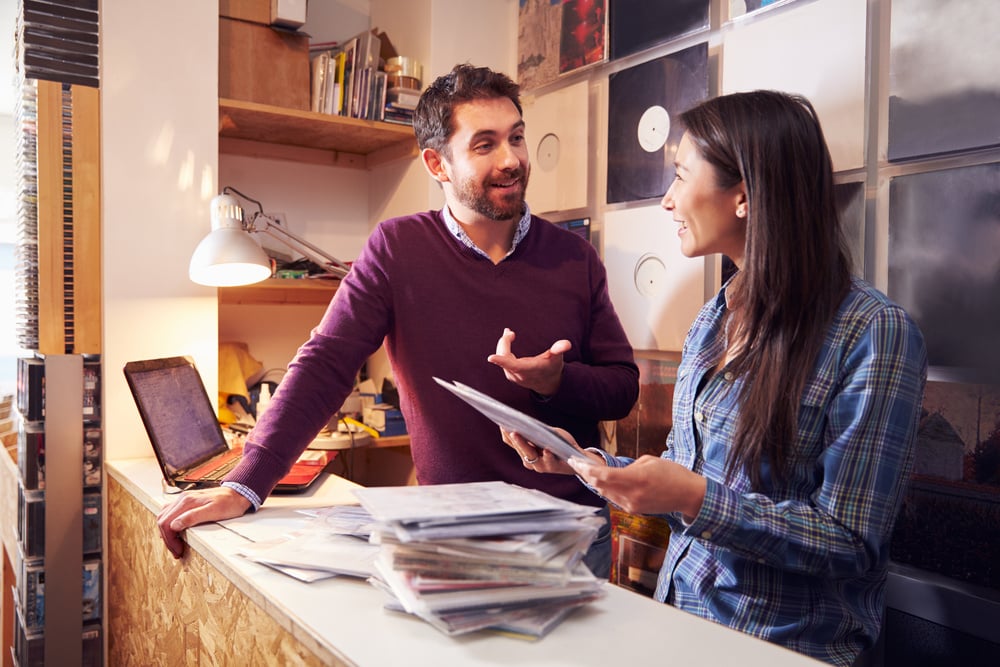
(260, 64)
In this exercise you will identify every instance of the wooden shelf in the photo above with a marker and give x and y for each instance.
(392, 441)
(262, 130)
(281, 291)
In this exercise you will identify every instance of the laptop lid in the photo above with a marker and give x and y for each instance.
(178, 415)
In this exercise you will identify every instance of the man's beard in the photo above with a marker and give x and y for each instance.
(476, 196)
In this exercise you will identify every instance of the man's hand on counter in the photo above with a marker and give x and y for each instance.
(196, 507)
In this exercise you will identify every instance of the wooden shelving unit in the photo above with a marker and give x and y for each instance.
(262, 130)
(281, 291)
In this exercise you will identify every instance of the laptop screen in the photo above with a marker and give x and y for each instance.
(175, 408)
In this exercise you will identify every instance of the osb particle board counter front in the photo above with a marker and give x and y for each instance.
(213, 607)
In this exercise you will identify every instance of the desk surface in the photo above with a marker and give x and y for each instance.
(343, 618)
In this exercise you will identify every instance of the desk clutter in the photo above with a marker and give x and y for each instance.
(462, 557)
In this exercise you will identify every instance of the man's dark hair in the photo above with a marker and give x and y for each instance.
(433, 120)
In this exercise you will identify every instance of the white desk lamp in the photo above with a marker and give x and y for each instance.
(229, 256)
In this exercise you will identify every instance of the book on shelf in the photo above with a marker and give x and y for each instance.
(320, 68)
(338, 102)
(350, 65)
(378, 96)
(332, 87)
(402, 98)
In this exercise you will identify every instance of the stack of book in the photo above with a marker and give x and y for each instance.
(465, 557)
(346, 79)
(399, 105)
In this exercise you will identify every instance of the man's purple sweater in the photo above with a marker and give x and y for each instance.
(440, 307)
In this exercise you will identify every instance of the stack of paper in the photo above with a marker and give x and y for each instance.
(482, 555)
(309, 545)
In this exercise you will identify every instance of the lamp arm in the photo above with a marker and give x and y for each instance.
(262, 223)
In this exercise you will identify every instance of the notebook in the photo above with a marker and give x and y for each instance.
(184, 429)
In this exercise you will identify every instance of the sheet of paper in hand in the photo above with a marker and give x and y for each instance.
(537, 432)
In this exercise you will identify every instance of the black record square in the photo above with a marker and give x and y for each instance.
(636, 25)
(644, 103)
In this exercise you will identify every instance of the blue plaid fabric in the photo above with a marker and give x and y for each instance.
(803, 562)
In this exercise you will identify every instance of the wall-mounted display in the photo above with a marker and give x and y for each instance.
(539, 26)
(636, 25)
(556, 126)
(643, 133)
(656, 290)
(816, 49)
(944, 92)
(583, 40)
(944, 268)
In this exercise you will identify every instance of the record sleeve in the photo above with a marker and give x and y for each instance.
(944, 94)
(556, 125)
(643, 132)
(539, 26)
(657, 291)
(536, 432)
(636, 25)
(583, 37)
(816, 49)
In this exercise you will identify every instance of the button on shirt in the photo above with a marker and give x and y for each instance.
(802, 562)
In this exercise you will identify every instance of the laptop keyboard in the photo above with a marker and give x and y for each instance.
(221, 471)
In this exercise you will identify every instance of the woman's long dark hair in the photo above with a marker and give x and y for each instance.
(795, 270)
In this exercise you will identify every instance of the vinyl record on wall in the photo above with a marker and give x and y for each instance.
(636, 25)
(944, 268)
(556, 125)
(944, 92)
(644, 102)
(657, 291)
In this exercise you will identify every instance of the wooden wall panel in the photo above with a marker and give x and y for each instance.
(194, 615)
(51, 296)
(87, 218)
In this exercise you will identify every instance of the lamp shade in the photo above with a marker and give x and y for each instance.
(228, 256)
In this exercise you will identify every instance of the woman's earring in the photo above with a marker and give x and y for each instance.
(741, 211)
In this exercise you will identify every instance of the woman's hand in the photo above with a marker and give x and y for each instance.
(541, 460)
(650, 485)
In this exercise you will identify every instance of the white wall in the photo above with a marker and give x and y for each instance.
(159, 138)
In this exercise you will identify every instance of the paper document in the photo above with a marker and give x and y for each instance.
(534, 431)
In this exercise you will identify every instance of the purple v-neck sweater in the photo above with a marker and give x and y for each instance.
(440, 307)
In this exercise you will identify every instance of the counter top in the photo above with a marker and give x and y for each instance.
(341, 620)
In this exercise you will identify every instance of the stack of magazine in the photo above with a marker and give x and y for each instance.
(464, 557)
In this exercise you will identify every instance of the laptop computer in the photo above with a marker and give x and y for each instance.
(184, 430)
